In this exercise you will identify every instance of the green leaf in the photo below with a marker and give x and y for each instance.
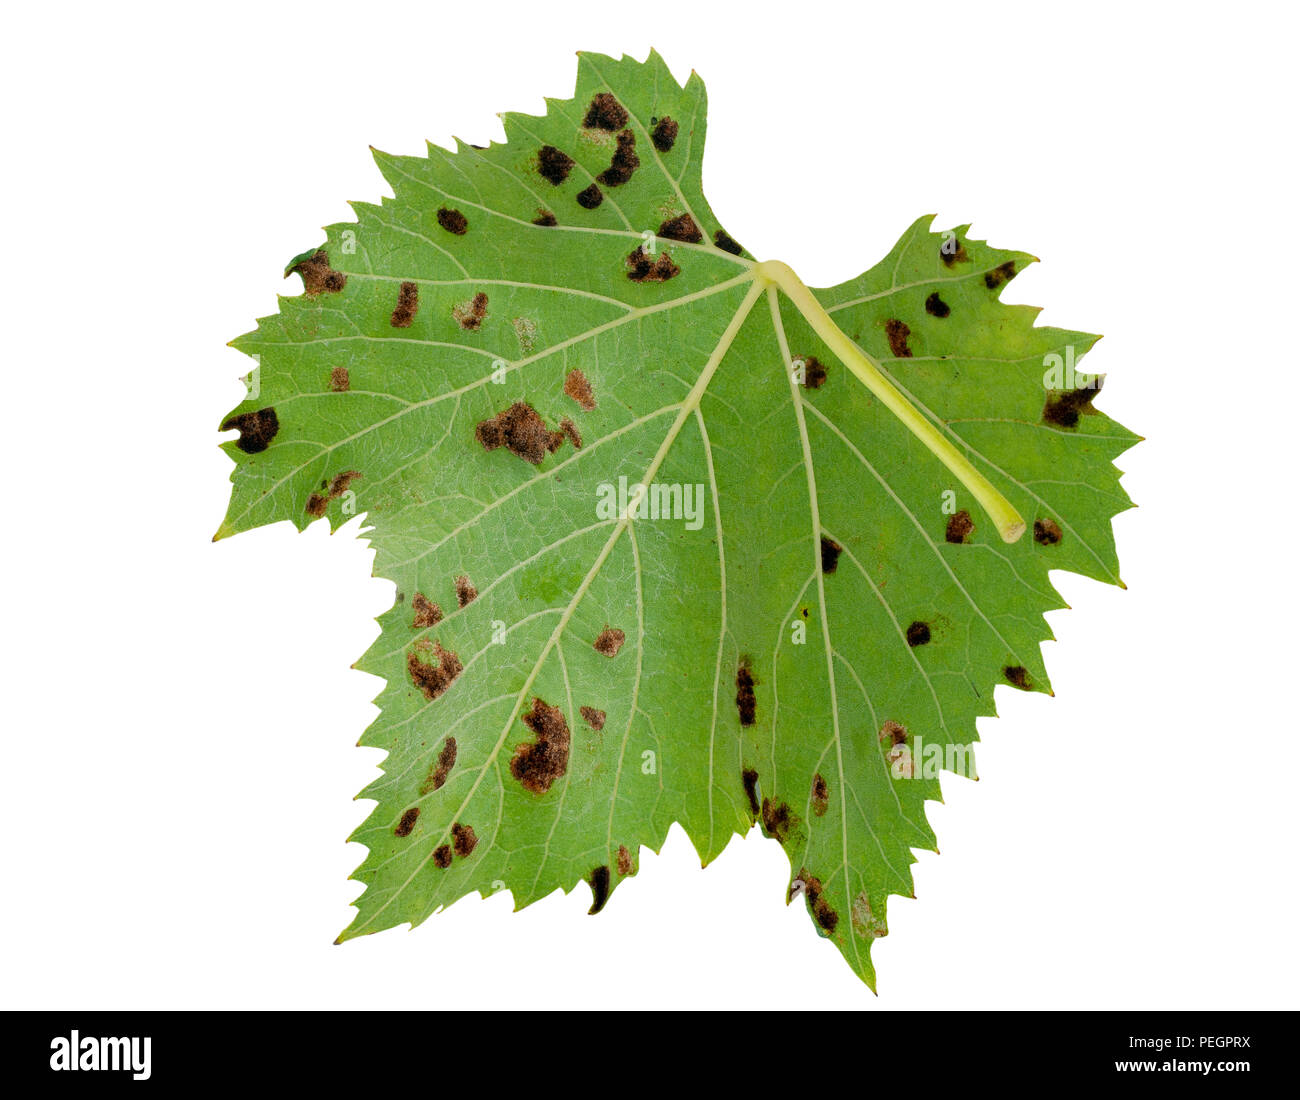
(818, 594)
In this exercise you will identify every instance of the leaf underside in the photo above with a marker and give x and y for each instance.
(477, 362)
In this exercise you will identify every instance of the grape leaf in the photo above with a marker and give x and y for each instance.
(797, 622)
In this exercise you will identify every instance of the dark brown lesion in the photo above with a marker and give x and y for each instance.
(952, 251)
(936, 306)
(590, 197)
(427, 613)
(644, 268)
(1003, 273)
(897, 333)
(554, 165)
(918, 633)
(466, 593)
(777, 819)
(831, 551)
(609, 641)
(814, 373)
(1047, 532)
(664, 135)
(624, 162)
(317, 275)
(593, 716)
(1018, 676)
(522, 432)
(318, 503)
(469, 315)
(407, 824)
(605, 112)
(442, 768)
(624, 860)
(599, 882)
(820, 795)
(256, 429)
(463, 840)
(408, 301)
(826, 917)
(1063, 408)
(453, 221)
(727, 243)
(746, 700)
(538, 764)
(433, 680)
(681, 228)
(577, 387)
(960, 527)
(545, 218)
(749, 777)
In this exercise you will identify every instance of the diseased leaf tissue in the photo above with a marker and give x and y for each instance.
(675, 538)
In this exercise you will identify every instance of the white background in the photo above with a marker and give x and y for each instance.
(174, 710)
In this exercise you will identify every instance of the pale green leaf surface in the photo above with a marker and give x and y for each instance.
(692, 386)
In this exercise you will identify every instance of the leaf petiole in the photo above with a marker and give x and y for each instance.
(1008, 521)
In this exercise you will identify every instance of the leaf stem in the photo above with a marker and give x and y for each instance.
(1009, 523)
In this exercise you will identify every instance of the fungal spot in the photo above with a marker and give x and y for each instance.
(727, 243)
(593, 717)
(959, 527)
(664, 135)
(1063, 407)
(777, 819)
(438, 774)
(599, 883)
(453, 221)
(538, 764)
(318, 503)
(892, 733)
(814, 373)
(821, 795)
(340, 381)
(554, 165)
(624, 860)
(521, 431)
(897, 332)
(317, 275)
(433, 680)
(466, 593)
(831, 551)
(427, 613)
(610, 641)
(746, 701)
(898, 758)
(865, 924)
(681, 228)
(750, 778)
(570, 430)
(544, 217)
(951, 256)
(577, 387)
(624, 162)
(1003, 273)
(408, 301)
(822, 913)
(442, 856)
(605, 113)
(409, 818)
(918, 634)
(463, 839)
(525, 332)
(256, 429)
(650, 269)
(1047, 532)
(936, 306)
(1018, 676)
(590, 197)
(469, 315)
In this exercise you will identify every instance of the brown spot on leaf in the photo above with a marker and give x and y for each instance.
(727, 243)
(590, 197)
(469, 315)
(553, 164)
(442, 856)
(831, 551)
(1047, 532)
(605, 113)
(544, 217)
(463, 839)
(540, 763)
(466, 593)
(918, 634)
(577, 387)
(897, 332)
(624, 162)
(1063, 407)
(893, 733)
(408, 301)
(599, 883)
(952, 251)
(593, 717)
(438, 774)
(959, 527)
(1003, 273)
(453, 221)
(256, 429)
(814, 373)
(664, 135)
(746, 701)
(1018, 676)
(777, 819)
(409, 818)
(318, 503)
(317, 275)
(427, 613)
(936, 306)
(340, 380)
(570, 430)
(521, 431)
(821, 795)
(750, 778)
(433, 680)
(610, 641)
(681, 228)
(823, 914)
(624, 860)
(643, 268)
